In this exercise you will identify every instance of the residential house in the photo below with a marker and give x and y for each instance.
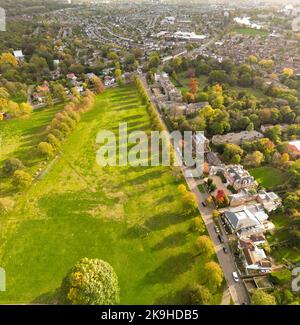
(254, 258)
(213, 159)
(247, 220)
(242, 222)
(270, 201)
(163, 81)
(201, 143)
(109, 81)
(72, 78)
(238, 177)
(237, 138)
(19, 56)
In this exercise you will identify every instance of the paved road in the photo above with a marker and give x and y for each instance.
(237, 290)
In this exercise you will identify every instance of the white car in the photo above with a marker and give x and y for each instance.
(235, 277)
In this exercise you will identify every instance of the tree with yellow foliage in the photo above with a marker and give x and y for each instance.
(8, 58)
(213, 275)
(288, 72)
(90, 282)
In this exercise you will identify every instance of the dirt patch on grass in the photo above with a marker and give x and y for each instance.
(114, 212)
(6, 205)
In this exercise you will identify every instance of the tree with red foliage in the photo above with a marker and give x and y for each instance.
(220, 196)
(193, 85)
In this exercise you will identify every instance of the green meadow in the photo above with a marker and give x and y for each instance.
(131, 217)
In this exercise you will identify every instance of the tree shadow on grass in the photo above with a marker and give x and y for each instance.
(129, 105)
(170, 269)
(144, 177)
(126, 99)
(48, 298)
(132, 117)
(164, 220)
(132, 126)
(180, 297)
(174, 240)
(165, 199)
(137, 231)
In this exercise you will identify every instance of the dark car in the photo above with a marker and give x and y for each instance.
(220, 238)
(225, 250)
(204, 204)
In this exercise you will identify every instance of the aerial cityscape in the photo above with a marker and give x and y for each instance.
(149, 152)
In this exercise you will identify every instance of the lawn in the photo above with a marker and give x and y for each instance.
(268, 176)
(248, 31)
(129, 216)
(286, 253)
(203, 82)
(18, 135)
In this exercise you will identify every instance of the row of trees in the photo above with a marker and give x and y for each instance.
(15, 109)
(63, 123)
(154, 117)
(8, 92)
(16, 170)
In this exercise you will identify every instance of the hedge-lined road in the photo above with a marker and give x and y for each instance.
(237, 290)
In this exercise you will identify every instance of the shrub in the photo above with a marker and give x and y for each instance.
(182, 189)
(198, 225)
(53, 140)
(260, 297)
(205, 246)
(46, 149)
(189, 202)
(221, 175)
(21, 178)
(200, 295)
(281, 277)
(213, 275)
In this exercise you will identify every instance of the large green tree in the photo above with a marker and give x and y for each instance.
(90, 282)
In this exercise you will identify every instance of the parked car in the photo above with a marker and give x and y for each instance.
(189, 174)
(217, 230)
(225, 250)
(204, 204)
(220, 238)
(235, 277)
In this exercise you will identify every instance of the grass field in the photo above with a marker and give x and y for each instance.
(268, 176)
(19, 138)
(203, 81)
(251, 31)
(129, 216)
